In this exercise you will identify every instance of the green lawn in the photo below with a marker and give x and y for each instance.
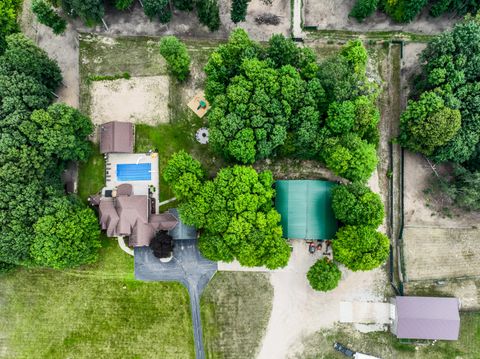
(91, 174)
(386, 346)
(235, 309)
(98, 311)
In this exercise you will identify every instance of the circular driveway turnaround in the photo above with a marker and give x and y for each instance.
(188, 267)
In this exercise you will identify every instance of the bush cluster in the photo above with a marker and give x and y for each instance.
(324, 275)
(47, 16)
(175, 53)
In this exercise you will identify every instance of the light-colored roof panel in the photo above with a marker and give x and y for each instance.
(306, 209)
(427, 318)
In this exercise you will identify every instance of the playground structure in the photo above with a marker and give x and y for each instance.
(199, 104)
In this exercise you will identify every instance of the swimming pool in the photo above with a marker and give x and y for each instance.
(134, 172)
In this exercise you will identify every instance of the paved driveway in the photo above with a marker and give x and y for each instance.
(189, 267)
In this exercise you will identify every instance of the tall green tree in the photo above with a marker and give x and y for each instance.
(350, 157)
(66, 236)
(22, 56)
(360, 248)
(209, 13)
(427, 124)
(8, 20)
(355, 204)
(234, 213)
(363, 9)
(239, 10)
(60, 131)
(324, 275)
(175, 53)
(90, 11)
(157, 9)
(46, 15)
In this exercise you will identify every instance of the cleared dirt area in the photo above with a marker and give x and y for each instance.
(134, 22)
(138, 100)
(333, 15)
(441, 253)
(62, 48)
(299, 311)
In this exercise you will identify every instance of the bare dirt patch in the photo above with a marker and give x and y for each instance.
(333, 15)
(62, 48)
(134, 22)
(441, 253)
(281, 8)
(137, 100)
(299, 311)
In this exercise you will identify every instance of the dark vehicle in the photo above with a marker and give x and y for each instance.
(343, 349)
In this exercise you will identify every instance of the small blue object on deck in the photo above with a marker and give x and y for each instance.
(134, 172)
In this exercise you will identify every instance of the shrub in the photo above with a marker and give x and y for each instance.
(404, 10)
(360, 248)
(157, 8)
(8, 20)
(350, 157)
(363, 9)
(427, 124)
(67, 236)
(233, 211)
(175, 53)
(324, 275)
(46, 15)
(356, 204)
(123, 4)
(209, 13)
(239, 10)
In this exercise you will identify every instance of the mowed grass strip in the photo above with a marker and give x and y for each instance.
(235, 311)
(94, 312)
(91, 174)
(385, 345)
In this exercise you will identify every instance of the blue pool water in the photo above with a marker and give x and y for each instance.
(134, 172)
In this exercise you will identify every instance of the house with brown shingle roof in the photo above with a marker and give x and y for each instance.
(117, 137)
(130, 216)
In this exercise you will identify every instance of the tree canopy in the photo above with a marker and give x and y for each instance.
(46, 15)
(60, 131)
(175, 53)
(34, 148)
(8, 20)
(234, 212)
(427, 124)
(278, 99)
(66, 236)
(360, 248)
(324, 275)
(90, 11)
(355, 204)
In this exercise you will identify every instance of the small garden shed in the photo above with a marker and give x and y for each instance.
(306, 209)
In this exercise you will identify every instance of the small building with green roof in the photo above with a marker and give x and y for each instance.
(306, 209)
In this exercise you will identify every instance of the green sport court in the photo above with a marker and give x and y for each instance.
(306, 209)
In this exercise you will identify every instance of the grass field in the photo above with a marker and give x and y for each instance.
(235, 311)
(98, 311)
(386, 346)
(91, 174)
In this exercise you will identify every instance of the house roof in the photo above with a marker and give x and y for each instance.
(306, 209)
(116, 137)
(130, 216)
(427, 318)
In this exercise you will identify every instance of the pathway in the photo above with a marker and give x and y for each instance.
(188, 267)
(297, 19)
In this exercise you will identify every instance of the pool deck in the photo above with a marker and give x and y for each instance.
(139, 187)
